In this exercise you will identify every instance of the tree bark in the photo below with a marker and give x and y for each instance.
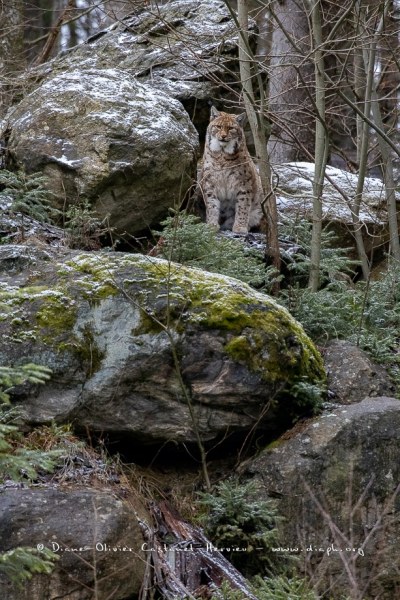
(256, 120)
(182, 562)
(321, 145)
(290, 103)
(11, 49)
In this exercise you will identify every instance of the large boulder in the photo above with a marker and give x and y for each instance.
(188, 49)
(337, 483)
(94, 533)
(100, 135)
(294, 194)
(153, 349)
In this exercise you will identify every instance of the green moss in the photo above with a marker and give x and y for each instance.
(274, 444)
(85, 348)
(268, 341)
(56, 316)
(93, 276)
(147, 325)
(55, 312)
(257, 331)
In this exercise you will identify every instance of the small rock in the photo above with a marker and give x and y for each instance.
(352, 375)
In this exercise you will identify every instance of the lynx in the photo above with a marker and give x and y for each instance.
(229, 180)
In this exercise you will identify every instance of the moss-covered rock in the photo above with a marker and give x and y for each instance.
(155, 349)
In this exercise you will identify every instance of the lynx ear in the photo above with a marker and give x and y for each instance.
(214, 113)
(241, 119)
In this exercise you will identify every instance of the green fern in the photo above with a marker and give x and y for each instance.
(335, 262)
(283, 588)
(12, 376)
(366, 314)
(84, 228)
(226, 592)
(20, 463)
(20, 564)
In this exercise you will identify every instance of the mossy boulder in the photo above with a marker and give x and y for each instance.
(154, 349)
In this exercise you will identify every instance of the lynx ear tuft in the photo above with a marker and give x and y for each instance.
(241, 119)
(214, 113)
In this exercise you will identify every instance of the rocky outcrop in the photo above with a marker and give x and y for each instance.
(185, 48)
(337, 480)
(15, 226)
(94, 533)
(100, 135)
(153, 349)
(105, 121)
(352, 376)
(294, 194)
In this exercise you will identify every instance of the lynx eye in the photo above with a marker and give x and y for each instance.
(232, 128)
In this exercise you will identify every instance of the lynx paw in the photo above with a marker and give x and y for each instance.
(240, 230)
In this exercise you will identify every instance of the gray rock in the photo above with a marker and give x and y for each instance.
(337, 478)
(295, 196)
(87, 529)
(352, 376)
(185, 48)
(15, 227)
(100, 135)
(99, 321)
(105, 121)
(15, 258)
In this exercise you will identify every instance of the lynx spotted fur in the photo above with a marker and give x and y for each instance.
(229, 180)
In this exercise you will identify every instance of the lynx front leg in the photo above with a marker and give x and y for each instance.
(242, 213)
(213, 209)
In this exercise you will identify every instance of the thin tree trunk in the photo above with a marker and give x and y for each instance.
(54, 33)
(387, 159)
(289, 97)
(321, 146)
(246, 62)
(388, 179)
(11, 49)
(362, 134)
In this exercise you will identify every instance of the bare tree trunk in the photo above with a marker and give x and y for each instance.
(39, 18)
(247, 63)
(387, 159)
(321, 145)
(290, 103)
(11, 48)
(54, 33)
(363, 87)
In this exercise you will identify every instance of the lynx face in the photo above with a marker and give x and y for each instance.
(225, 133)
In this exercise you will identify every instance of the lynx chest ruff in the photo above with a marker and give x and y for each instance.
(229, 180)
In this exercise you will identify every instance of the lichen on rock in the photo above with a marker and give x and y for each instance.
(112, 326)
